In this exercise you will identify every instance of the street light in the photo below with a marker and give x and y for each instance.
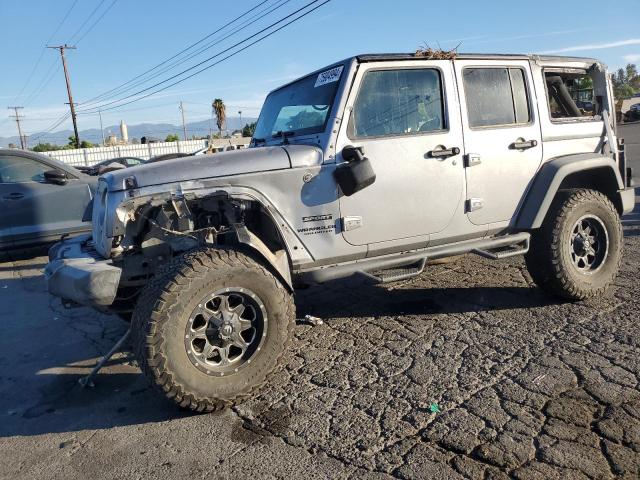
(241, 128)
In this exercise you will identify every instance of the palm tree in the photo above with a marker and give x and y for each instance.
(220, 110)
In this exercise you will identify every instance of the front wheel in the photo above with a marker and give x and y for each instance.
(576, 253)
(211, 327)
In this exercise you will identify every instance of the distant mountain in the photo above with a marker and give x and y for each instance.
(156, 130)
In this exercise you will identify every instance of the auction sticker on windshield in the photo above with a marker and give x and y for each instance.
(329, 76)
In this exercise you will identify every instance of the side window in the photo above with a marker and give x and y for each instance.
(570, 94)
(14, 169)
(398, 102)
(496, 96)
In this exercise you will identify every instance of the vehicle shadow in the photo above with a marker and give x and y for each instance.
(40, 394)
(25, 253)
(370, 300)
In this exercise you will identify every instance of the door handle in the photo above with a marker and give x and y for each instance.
(522, 144)
(14, 196)
(441, 152)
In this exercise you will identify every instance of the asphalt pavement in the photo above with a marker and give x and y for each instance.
(466, 371)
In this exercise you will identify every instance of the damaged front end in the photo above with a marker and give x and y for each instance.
(135, 234)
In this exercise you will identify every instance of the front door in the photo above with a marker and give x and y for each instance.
(407, 120)
(502, 136)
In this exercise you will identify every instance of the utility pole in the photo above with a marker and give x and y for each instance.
(184, 125)
(241, 126)
(17, 116)
(101, 127)
(62, 48)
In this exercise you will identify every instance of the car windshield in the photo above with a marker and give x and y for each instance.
(301, 108)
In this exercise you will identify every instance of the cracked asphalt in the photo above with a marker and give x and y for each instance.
(468, 371)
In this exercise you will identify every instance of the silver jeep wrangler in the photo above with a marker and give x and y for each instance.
(369, 166)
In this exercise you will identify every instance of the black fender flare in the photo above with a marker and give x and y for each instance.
(550, 177)
(278, 261)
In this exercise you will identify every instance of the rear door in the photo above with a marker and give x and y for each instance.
(35, 210)
(401, 113)
(502, 136)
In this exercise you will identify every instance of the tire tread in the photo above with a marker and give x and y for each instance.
(161, 294)
(544, 257)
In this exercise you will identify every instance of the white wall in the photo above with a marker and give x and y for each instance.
(90, 156)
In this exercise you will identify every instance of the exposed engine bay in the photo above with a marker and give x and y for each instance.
(161, 229)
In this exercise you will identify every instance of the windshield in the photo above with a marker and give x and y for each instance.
(301, 108)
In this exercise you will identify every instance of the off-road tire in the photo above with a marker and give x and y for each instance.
(549, 258)
(161, 316)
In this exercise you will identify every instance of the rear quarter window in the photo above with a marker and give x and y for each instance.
(571, 95)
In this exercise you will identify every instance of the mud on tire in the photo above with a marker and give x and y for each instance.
(577, 252)
(170, 340)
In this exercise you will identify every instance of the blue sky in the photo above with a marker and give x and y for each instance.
(133, 36)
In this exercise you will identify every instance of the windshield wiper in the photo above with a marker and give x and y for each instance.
(285, 135)
(280, 133)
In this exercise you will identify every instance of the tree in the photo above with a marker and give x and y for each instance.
(46, 147)
(624, 91)
(172, 137)
(72, 143)
(626, 81)
(249, 129)
(220, 111)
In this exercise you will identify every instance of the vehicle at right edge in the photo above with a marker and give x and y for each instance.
(371, 166)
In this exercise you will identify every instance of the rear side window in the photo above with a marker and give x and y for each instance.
(14, 169)
(496, 96)
(570, 94)
(398, 102)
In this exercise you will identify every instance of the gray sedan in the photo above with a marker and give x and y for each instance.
(41, 199)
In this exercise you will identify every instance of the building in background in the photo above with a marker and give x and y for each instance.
(124, 133)
(112, 139)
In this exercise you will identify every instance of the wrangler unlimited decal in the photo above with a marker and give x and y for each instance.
(316, 230)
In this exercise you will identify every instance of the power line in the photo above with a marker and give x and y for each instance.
(214, 56)
(91, 100)
(96, 22)
(52, 127)
(37, 64)
(66, 116)
(257, 17)
(55, 67)
(53, 70)
(86, 21)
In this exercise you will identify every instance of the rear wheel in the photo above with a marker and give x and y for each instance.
(211, 327)
(576, 253)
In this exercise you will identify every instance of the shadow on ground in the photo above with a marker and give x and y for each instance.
(47, 397)
(420, 301)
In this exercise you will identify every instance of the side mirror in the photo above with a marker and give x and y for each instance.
(57, 177)
(356, 174)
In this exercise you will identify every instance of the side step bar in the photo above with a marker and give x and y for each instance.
(505, 251)
(402, 265)
(398, 273)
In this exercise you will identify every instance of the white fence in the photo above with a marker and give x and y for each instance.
(91, 156)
